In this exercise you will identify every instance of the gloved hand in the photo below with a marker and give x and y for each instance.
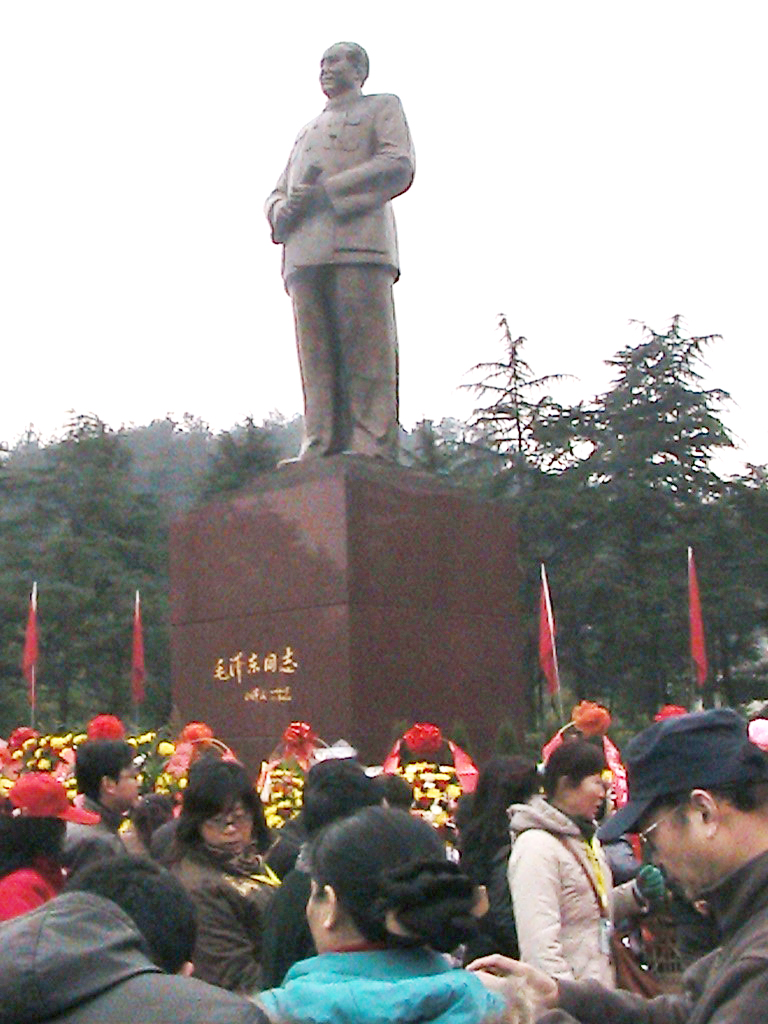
(649, 884)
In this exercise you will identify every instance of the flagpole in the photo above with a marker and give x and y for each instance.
(138, 671)
(698, 648)
(33, 697)
(548, 657)
(29, 654)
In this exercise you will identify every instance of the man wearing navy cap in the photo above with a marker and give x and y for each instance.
(698, 799)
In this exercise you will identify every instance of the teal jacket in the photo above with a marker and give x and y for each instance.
(381, 987)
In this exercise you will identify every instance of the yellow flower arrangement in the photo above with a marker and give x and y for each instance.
(285, 795)
(436, 789)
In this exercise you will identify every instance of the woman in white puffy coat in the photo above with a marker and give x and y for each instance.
(562, 890)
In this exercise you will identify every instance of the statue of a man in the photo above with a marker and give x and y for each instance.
(331, 212)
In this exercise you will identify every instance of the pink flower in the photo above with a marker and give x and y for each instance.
(758, 732)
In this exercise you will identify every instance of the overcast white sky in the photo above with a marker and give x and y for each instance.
(578, 164)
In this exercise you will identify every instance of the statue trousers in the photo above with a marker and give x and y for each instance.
(347, 340)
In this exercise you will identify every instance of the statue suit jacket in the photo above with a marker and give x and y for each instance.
(359, 150)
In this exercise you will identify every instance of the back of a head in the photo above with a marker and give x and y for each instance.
(97, 758)
(504, 781)
(23, 839)
(152, 811)
(335, 789)
(574, 760)
(391, 876)
(155, 901)
(394, 790)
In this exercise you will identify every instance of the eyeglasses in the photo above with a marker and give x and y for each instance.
(646, 836)
(235, 819)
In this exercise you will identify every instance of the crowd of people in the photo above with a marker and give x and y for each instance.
(357, 910)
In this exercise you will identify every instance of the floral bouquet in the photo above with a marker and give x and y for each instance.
(436, 786)
(281, 780)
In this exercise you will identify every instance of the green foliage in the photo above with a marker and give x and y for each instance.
(608, 493)
(509, 425)
(239, 455)
(73, 523)
(459, 733)
(450, 450)
(656, 430)
(170, 458)
(507, 741)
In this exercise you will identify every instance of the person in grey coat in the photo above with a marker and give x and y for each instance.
(113, 948)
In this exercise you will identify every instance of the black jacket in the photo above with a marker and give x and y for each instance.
(287, 938)
(80, 960)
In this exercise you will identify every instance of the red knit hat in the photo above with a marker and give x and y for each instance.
(39, 795)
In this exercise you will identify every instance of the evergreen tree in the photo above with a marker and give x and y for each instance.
(635, 501)
(239, 455)
(75, 524)
(656, 428)
(510, 425)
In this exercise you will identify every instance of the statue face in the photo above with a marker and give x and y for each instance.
(338, 73)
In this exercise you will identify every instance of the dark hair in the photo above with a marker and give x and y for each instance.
(215, 786)
(395, 790)
(23, 838)
(156, 902)
(503, 781)
(574, 760)
(152, 811)
(334, 789)
(381, 860)
(462, 814)
(97, 758)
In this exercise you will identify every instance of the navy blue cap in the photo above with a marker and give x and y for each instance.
(703, 750)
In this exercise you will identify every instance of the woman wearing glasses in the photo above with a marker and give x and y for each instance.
(220, 837)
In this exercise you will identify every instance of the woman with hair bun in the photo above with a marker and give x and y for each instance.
(385, 903)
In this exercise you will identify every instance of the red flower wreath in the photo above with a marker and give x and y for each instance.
(194, 732)
(20, 735)
(423, 738)
(105, 727)
(591, 719)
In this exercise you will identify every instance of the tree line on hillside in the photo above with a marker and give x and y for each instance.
(608, 493)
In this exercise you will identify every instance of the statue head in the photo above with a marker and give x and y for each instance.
(343, 68)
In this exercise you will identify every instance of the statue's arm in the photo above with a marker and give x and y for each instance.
(279, 210)
(387, 173)
(284, 210)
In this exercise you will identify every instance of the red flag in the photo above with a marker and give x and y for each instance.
(547, 647)
(29, 657)
(138, 673)
(698, 645)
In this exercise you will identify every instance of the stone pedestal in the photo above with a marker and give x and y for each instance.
(351, 594)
